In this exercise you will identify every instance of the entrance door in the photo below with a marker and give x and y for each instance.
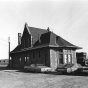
(60, 58)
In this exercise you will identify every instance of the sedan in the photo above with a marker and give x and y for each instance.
(37, 68)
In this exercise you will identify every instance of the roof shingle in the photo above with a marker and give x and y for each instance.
(47, 38)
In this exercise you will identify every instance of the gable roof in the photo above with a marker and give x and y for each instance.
(47, 39)
(36, 32)
(17, 49)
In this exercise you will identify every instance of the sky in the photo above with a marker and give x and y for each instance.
(66, 18)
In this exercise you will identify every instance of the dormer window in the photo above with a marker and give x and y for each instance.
(39, 38)
(31, 41)
(56, 40)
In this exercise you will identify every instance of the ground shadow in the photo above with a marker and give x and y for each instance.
(69, 74)
(81, 74)
(84, 73)
(6, 68)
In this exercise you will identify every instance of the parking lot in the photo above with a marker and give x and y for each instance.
(19, 79)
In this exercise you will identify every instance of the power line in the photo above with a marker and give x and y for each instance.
(3, 40)
(3, 44)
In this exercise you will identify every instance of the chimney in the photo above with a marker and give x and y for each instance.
(48, 29)
(19, 38)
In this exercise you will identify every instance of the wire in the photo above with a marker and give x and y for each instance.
(3, 40)
(3, 44)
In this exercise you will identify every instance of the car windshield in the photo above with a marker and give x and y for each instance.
(39, 65)
(32, 65)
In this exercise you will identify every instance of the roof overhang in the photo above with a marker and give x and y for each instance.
(72, 47)
(42, 46)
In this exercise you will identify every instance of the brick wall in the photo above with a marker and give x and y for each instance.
(53, 58)
(74, 60)
(38, 56)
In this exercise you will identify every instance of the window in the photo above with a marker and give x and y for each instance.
(25, 60)
(69, 58)
(28, 60)
(61, 58)
(56, 40)
(65, 59)
(20, 61)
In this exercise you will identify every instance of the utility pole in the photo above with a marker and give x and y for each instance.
(9, 50)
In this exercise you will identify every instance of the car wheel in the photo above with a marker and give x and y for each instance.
(35, 71)
(25, 70)
(63, 73)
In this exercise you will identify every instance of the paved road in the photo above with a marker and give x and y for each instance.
(16, 79)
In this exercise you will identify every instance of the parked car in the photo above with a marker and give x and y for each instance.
(37, 68)
(86, 62)
(64, 68)
(76, 68)
(69, 68)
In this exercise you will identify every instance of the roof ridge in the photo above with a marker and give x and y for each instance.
(37, 28)
(27, 27)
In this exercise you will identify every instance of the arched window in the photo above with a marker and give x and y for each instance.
(25, 60)
(28, 60)
(20, 61)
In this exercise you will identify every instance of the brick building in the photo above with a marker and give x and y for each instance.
(40, 46)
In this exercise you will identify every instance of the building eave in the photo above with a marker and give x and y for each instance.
(42, 46)
(75, 47)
